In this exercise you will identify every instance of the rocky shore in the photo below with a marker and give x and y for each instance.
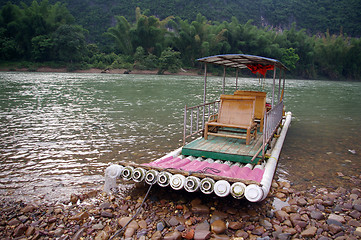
(167, 214)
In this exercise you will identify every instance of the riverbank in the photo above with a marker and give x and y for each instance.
(312, 214)
(184, 72)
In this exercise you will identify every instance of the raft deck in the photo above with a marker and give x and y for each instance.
(225, 148)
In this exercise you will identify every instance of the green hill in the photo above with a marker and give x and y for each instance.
(315, 16)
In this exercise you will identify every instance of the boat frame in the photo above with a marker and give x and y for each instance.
(265, 150)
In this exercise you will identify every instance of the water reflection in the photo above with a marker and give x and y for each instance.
(60, 131)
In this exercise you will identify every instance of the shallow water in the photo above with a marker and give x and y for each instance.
(60, 131)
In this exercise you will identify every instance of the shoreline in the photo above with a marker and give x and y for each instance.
(317, 213)
(182, 72)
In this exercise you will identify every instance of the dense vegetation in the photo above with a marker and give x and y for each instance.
(42, 32)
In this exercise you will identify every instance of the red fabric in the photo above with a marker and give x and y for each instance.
(259, 68)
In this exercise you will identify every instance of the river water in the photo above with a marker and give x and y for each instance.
(59, 131)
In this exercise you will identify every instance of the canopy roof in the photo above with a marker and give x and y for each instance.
(241, 61)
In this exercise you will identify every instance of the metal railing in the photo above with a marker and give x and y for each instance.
(195, 118)
(272, 120)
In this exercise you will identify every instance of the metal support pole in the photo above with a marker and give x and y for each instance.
(236, 79)
(224, 79)
(283, 87)
(185, 125)
(274, 83)
(279, 86)
(204, 93)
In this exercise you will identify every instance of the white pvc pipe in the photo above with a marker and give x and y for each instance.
(111, 174)
(256, 193)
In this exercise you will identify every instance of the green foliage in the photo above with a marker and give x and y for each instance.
(169, 61)
(69, 42)
(290, 58)
(153, 39)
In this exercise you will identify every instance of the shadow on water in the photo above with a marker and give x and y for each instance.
(60, 131)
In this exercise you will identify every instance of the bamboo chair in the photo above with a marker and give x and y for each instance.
(235, 112)
(260, 106)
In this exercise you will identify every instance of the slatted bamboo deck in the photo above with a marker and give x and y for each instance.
(224, 148)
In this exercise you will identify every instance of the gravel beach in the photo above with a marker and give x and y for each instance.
(316, 213)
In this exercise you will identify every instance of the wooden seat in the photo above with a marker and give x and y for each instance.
(235, 112)
(260, 106)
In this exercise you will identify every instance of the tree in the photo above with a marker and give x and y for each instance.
(290, 58)
(69, 43)
(169, 61)
(121, 35)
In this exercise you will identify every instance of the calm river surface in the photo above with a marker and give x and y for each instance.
(59, 131)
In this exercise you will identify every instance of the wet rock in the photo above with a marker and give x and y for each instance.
(284, 236)
(300, 223)
(98, 226)
(235, 225)
(291, 231)
(317, 215)
(30, 231)
(266, 224)
(173, 236)
(259, 230)
(354, 223)
(301, 202)
(334, 228)
(80, 216)
(358, 232)
(142, 224)
(20, 230)
(73, 198)
(281, 215)
(203, 226)
(106, 214)
(218, 226)
(309, 232)
(156, 236)
(280, 195)
(129, 232)
(141, 233)
(160, 226)
(337, 218)
(101, 235)
(28, 208)
(220, 237)
(133, 224)
(200, 209)
(201, 234)
(13, 222)
(124, 220)
(58, 232)
(78, 234)
(180, 228)
(355, 214)
(290, 209)
(189, 234)
(173, 221)
(105, 205)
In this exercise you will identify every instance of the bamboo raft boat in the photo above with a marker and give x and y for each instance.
(235, 141)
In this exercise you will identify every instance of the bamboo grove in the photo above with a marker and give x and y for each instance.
(41, 33)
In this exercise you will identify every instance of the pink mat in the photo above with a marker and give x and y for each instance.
(219, 169)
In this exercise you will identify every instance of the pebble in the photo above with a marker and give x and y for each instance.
(318, 213)
(201, 234)
(160, 226)
(218, 226)
(173, 236)
(309, 232)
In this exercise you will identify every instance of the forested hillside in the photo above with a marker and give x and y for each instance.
(167, 35)
(315, 16)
